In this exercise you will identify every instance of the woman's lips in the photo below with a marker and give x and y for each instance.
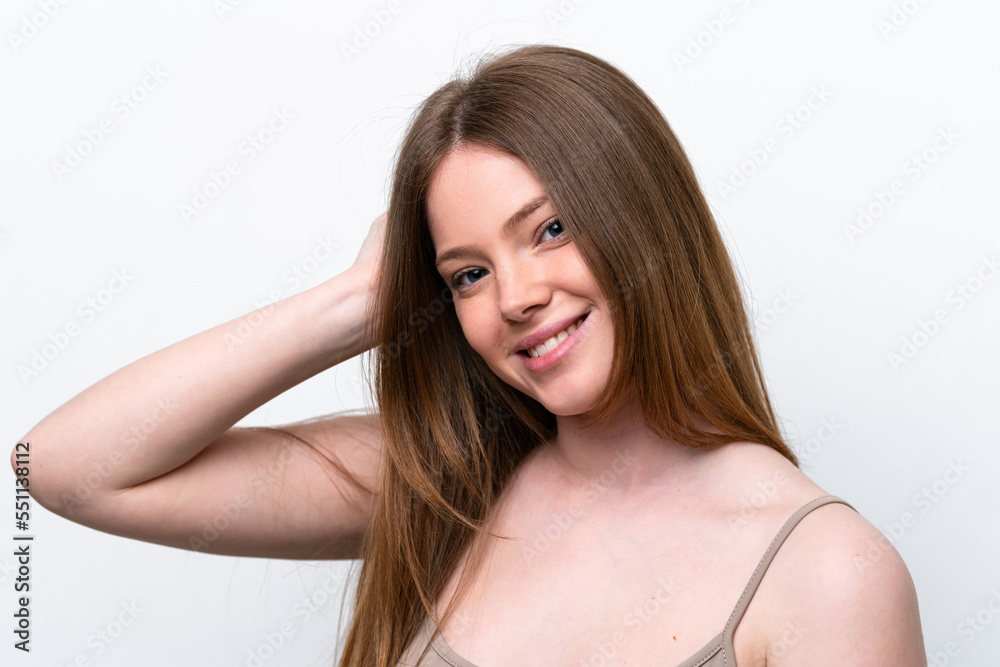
(559, 352)
(547, 332)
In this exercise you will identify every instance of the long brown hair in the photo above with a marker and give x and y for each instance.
(452, 431)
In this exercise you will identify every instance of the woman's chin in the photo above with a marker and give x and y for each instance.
(576, 406)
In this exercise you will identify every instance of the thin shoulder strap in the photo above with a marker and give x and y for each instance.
(758, 574)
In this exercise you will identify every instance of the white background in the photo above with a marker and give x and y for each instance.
(896, 428)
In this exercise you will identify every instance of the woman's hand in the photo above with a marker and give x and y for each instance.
(370, 255)
(366, 268)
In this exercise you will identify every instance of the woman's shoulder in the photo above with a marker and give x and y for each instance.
(757, 482)
(754, 481)
(836, 586)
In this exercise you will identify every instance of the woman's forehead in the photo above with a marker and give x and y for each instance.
(479, 187)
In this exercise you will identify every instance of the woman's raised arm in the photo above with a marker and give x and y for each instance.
(150, 452)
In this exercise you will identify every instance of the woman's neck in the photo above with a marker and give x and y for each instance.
(623, 456)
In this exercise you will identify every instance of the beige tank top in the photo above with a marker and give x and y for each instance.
(716, 653)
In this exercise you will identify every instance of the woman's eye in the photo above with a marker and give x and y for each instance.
(553, 224)
(456, 281)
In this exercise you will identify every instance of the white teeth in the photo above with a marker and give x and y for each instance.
(553, 343)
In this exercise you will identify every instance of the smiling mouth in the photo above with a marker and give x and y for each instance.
(552, 343)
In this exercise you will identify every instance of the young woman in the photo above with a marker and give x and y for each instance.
(574, 459)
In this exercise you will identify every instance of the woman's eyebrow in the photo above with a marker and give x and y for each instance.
(508, 228)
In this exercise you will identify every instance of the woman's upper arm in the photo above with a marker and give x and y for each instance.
(255, 492)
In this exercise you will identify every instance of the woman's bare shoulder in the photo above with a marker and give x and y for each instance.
(848, 591)
(837, 591)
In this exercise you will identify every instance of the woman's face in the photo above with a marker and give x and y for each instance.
(518, 280)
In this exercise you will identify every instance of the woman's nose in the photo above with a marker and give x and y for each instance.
(521, 288)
